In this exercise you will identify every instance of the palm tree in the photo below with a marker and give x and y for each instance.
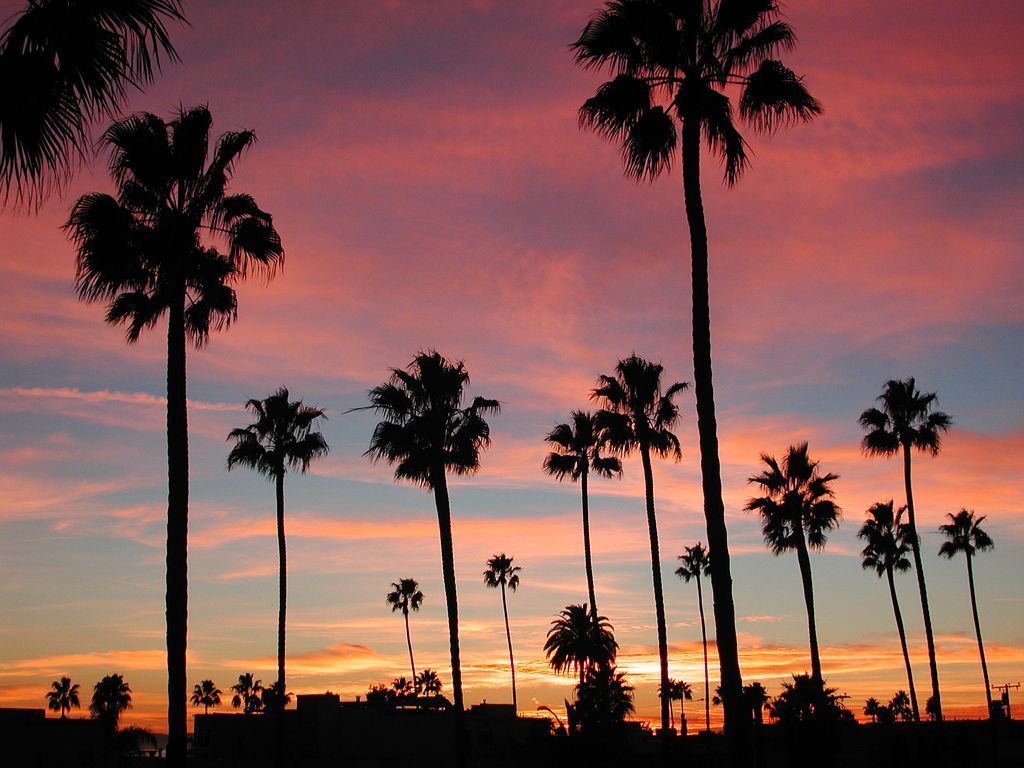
(680, 691)
(577, 453)
(141, 252)
(906, 420)
(671, 59)
(281, 438)
(110, 697)
(807, 700)
(426, 433)
(900, 707)
(885, 550)
(247, 692)
(965, 534)
(580, 641)
(500, 573)
(797, 512)
(429, 683)
(274, 699)
(63, 697)
(406, 596)
(872, 708)
(603, 700)
(206, 694)
(755, 695)
(65, 64)
(638, 416)
(696, 563)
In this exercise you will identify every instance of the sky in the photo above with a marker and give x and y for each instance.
(425, 169)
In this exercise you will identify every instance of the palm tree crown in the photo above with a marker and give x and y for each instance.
(577, 450)
(500, 572)
(695, 563)
(579, 641)
(887, 540)
(110, 697)
(247, 693)
(964, 534)
(63, 697)
(405, 596)
(905, 418)
(206, 694)
(281, 438)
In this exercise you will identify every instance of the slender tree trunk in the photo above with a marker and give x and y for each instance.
(511, 660)
(903, 645)
(737, 716)
(177, 532)
(707, 674)
(444, 521)
(977, 629)
(586, 545)
(408, 639)
(282, 606)
(919, 568)
(659, 598)
(812, 629)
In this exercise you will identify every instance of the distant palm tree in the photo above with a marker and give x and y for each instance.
(577, 453)
(274, 699)
(406, 596)
(900, 707)
(680, 691)
(110, 697)
(66, 64)
(247, 692)
(696, 563)
(206, 694)
(579, 641)
(429, 683)
(808, 700)
(678, 60)
(403, 688)
(63, 697)
(871, 708)
(638, 416)
(603, 700)
(906, 420)
(282, 438)
(797, 512)
(501, 574)
(885, 550)
(755, 695)
(964, 534)
(426, 433)
(143, 253)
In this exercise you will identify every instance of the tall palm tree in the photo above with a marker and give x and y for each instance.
(964, 534)
(406, 596)
(206, 694)
(425, 433)
(580, 641)
(111, 696)
(638, 416)
(697, 563)
(885, 550)
(501, 574)
(797, 512)
(282, 438)
(675, 63)
(577, 453)
(65, 64)
(247, 693)
(906, 420)
(63, 697)
(143, 253)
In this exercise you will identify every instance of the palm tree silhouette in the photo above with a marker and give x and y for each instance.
(63, 697)
(110, 697)
(206, 694)
(906, 420)
(281, 438)
(678, 690)
(429, 683)
(500, 574)
(577, 452)
(580, 641)
(406, 596)
(638, 416)
(66, 64)
(696, 563)
(755, 695)
(964, 534)
(603, 700)
(797, 512)
(247, 693)
(426, 433)
(143, 254)
(679, 60)
(872, 708)
(885, 550)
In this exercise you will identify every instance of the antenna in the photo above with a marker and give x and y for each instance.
(1004, 702)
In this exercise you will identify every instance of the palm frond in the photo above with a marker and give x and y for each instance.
(774, 96)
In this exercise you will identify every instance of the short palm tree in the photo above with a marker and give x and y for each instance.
(110, 698)
(63, 697)
(577, 453)
(680, 691)
(143, 253)
(755, 695)
(281, 438)
(580, 641)
(673, 66)
(603, 701)
(428, 683)
(206, 694)
(965, 535)
(501, 574)
(247, 693)
(906, 420)
(885, 550)
(696, 564)
(426, 432)
(872, 708)
(797, 512)
(405, 596)
(65, 64)
(639, 416)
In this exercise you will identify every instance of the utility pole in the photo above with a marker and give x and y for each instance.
(1004, 702)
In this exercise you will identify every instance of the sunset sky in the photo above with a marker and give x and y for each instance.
(423, 163)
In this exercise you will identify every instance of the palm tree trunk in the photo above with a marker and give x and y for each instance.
(586, 545)
(977, 629)
(919, 567)
(659, 598)
(444, 521)
(805, 576)
(737, 718)
(903, 645)
(408, 639)
(511, 660)
(177, 532)
(707, 675)
(282, 594)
